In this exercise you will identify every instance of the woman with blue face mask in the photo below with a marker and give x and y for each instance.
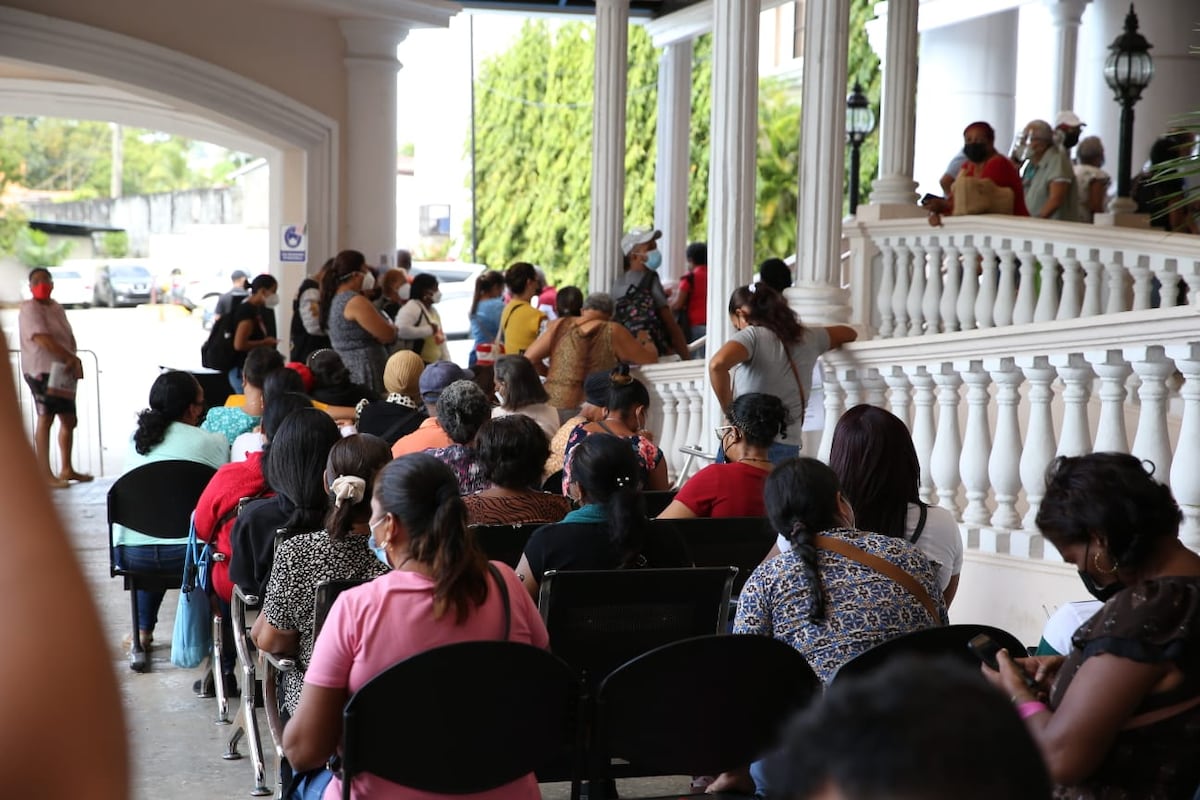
(641, 304)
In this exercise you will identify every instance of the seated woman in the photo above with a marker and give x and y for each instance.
(278, 383)
(461, 409)
(625, 418)
(167, 430)
(332, 383)
(241, 412)
(511, 452)
(520, 391)
(339, 551)
(294, 465)
(595, 405)
(609, 530)
(1120, 715)
(439, 591)
(735, 488)
(401, 411)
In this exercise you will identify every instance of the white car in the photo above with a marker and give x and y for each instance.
(456, 282)
(72, 287)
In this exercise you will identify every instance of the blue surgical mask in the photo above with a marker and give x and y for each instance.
(654, 260)
(377, 548)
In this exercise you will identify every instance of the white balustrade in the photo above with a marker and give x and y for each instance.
(1071, 304)
(1047, 294)
(1113, 371)
(948, 308)
(1006, 291)
(977, 444)
(904, 268)
(1027, 269)
(948, 443)
(989, 281)
(1185, 468)
(1077, 375)
(1039, 438)
(968, 288)
(833, 407)
(916, 290)
(887, 285)
(1004, 465)
(1093, 285)
(900, 399)
(874, 388)
(923, 429)
(932, 298)
(1151, 441)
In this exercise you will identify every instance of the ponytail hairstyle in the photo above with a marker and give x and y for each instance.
(608, 474)
(353, 463)
(568, 302)
(626, 392)
(875, 461)
(801, 496)
(295, 463)
(172, 394)
(484, 284)
(767, 308)
(346, 265)
(421, 492)
(762, 418)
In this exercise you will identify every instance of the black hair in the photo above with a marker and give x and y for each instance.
(263, 281)
(260, 361)
(608, 473)
(697, 253)
(512, 451)
(36, 270)
(486, 282)
(1163, 149)
(171, 395)
(281, 381)
(875, 461)
(801, 501)
(568, 302)
(294, 464)
(1113, 495)
(277, 409)
(874, 736)
(761, 418)
(626, 391)
(518, 276)
(768, 309)
(345, 265)
(422, 284)
(422, 494)
(522, 386)
(328, 369)
(774, 272)
(461, 409)
(362, 456)
(989, 132)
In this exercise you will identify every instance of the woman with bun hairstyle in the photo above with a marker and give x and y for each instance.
(439, 589)
(358, 330)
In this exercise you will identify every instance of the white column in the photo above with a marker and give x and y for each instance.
(1152, 442)
(900, 400)
(370, 143)
(288, 207)
(948, 444)
(1185, 470)
(977, 444)
(922, 427)
(916, 291)
(671, 169)
(950, 295)
(1039, 437)
(816, 294)
(1077, 375)
(1071, 304)
(611, 69)
(887, 284)
(834, 406)
(898, 108)
(1114, 371)
(1066, 15)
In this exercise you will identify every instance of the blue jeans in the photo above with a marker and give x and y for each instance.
(758, 773)
(776, 453)
(151, 558)
(311, 786)
(235, 380)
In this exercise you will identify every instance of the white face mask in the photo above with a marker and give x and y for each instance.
(436, 298)
(499, 398)
(368, 281)
(404, 291)
(272, 301)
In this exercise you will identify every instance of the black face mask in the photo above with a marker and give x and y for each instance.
(976, 152)
(1070, 138)
(1101, 593)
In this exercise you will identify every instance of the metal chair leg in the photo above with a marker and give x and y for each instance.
(139, 659)
(219, 673)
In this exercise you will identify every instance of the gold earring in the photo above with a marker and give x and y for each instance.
(1096, 564)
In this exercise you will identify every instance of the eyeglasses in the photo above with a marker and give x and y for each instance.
(721, 431)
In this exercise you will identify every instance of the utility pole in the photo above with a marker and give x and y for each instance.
(118, 161)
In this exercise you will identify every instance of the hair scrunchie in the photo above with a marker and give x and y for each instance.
(347, 487)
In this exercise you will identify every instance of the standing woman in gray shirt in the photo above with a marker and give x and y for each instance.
(774, 354)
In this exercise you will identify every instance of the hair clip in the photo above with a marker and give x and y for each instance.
(751, 288)
(623, 481)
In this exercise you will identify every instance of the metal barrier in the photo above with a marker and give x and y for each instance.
(89, 433)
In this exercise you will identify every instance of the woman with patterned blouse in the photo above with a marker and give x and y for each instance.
(511, 452)
(306, 560)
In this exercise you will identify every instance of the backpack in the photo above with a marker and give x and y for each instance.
(638, 311)
(217, 352)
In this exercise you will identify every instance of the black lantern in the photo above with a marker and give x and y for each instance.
(860, 121)
(1128, 71)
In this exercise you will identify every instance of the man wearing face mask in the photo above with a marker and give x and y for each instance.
(982, 163)
(1068, 127)
(1048, 177)
(641, 304)
(250, 328)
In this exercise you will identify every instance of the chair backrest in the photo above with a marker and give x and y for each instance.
(327, 592)
(504, 542)
(479, 729)
(699, 706)
(553, 483)
(740, 542)
(657, 501)
(157, 499)
(949, 640)
(600, 619)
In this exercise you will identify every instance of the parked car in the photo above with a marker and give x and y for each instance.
(456, 282)
(72, 287)
(122, 285)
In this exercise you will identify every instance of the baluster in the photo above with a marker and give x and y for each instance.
(904, 259)
(916, 291)
(988, 279)
(901, 397)
(977, 444)
(1185, 470)
(695, 390)
(1004, 465)
(922, 428)
(851, 384)
(1072, 294)
(1169, 278)
(931, 302)
(949, 305)
(1151, 442)
(874, 388)
(1115, 270)
(1023, 311)
(1093, 285)
(968, 287)
(1143, 284)
(1047, 295)
(1006, 293)
(833, 409)
(668, 440)
(683, 417)
(887, 284)
(1039, 438)
(1114, 371)
(948, 443)
(1076, 374)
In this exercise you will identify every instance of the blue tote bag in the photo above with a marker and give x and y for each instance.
(191, 640)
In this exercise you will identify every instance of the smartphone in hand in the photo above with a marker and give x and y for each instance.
(929, 198)
(985, 649)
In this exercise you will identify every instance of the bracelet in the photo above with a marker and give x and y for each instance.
(1031, 707)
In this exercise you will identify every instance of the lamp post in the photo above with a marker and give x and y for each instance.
(1128, 70)
(860, 121)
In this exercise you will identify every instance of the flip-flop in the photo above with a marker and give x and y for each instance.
(58, 483)
(78, 477)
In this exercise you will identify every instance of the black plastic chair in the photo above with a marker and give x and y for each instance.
(740, 542)
(480, 728)
(554, 483)
(949, 640)
(697, 707)
(657, 501)
(504, 542)
(327, 592)
(156, 499)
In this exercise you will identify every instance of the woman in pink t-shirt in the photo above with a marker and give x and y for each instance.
(439, 591)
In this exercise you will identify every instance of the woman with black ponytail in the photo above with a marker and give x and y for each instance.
(440, 590)
(609, 530)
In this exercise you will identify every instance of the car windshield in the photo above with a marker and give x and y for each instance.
(65, 274)
(447, 275)
(132, 273)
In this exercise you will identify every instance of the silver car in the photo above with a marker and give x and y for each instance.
(456, 282)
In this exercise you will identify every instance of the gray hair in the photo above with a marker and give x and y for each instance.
(1040, 129)
(1090, 150)
(462, 409)
(599, 301)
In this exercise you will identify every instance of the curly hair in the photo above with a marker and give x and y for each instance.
(762, 418)
(512, 451)
(171, 395)
(461, 409)
(766, 307)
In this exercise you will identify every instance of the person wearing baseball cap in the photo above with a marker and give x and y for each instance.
(641, 304)
(1068, 125)
(433, 381)
(227, 302)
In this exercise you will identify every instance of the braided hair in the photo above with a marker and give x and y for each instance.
(762, 418)
(608, 474)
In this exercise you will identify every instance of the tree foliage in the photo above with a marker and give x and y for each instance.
(34, 249)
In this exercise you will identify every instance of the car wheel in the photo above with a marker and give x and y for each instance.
(97, 300)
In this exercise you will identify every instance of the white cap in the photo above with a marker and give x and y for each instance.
(638, 236)
(1068, 119)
